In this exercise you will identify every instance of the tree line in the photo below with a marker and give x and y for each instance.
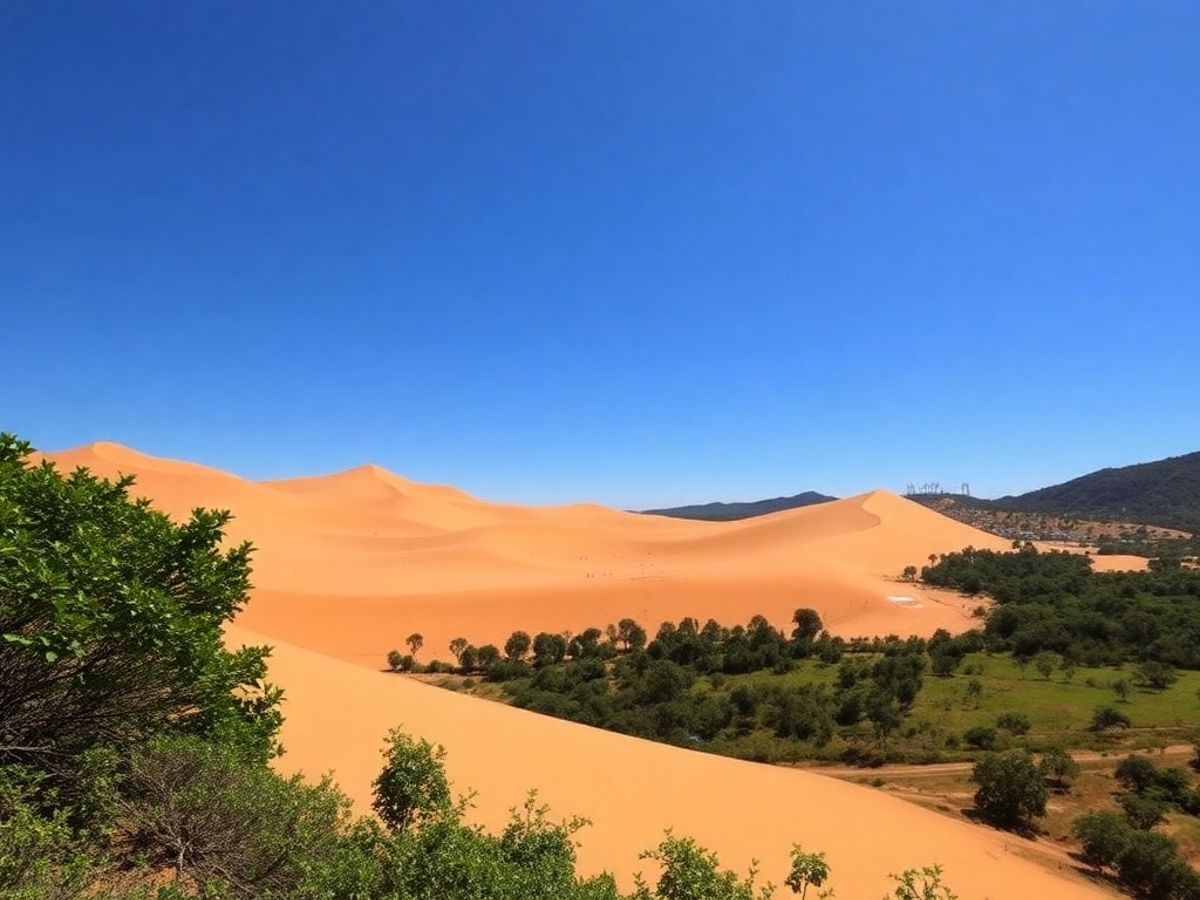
(1055, 602)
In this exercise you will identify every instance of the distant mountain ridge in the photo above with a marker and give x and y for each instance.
(1164, 492)
(724, 512)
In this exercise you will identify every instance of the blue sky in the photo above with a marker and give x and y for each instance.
(634, 252)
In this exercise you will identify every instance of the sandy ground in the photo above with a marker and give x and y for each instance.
(349, 564)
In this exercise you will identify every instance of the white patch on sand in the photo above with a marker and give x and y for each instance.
(906, 602)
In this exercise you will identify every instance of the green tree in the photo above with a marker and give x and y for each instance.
(1014, 723)
(1143, 811)
(808, 870)
(1156, 675)
(549, 649)
(631, 634)
(1045, 663)
(808, 625)
(395, 660)
(1011, 790)
(981, 737)
(1103, 836)
(412, 788)
(1106, 717)
(1121, 688)
(973, 695)
(111, 617)
(488, 654)
(457, 646)
(1058, 768)
(922, 884)
(517, 645)
(1150, 865)
(468, 660)
(689, 872)
(415, 641)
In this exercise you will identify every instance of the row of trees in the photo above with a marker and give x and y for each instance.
(615, 679)
(707, 649)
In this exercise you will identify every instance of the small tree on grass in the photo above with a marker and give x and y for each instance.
(974, 692)
(412, 787)
(1108, 717)
(1014, 723)
(1011, 790)
(1059, 769)
(1156, 676)
(1121, 688)
(1045, 663)
(808, 870)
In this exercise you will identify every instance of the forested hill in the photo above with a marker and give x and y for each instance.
(727, 511)
(1165, 492)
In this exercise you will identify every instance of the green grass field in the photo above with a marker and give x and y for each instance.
(1059, 711)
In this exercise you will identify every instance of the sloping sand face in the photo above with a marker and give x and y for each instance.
(337, 714)
(350, 564)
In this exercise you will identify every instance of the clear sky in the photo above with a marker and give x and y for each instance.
(633, 252)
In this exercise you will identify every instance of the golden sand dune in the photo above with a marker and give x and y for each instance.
(350, 564)
(336, 714)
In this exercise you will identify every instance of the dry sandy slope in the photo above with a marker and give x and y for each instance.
(337, 713)
(349, 564)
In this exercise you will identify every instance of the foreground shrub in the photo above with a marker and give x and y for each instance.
(110, 620)
(412, 787)
(922, 884)
(223, 823)
(689, 872)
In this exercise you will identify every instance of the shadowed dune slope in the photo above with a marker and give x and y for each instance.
(349, 564)
(337, 714)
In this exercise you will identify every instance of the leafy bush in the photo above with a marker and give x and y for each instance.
(1106, 717)
(412, 788)
(1058, 768)
(111, 616)
(1014, 723)
(981, 737)
(689, 872)
(220, 821)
